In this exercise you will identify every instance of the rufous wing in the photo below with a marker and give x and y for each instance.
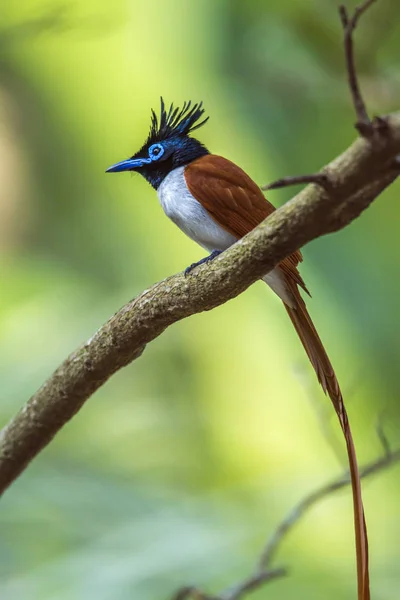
(234, 201)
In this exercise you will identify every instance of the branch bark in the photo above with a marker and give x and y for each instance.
(355, 178)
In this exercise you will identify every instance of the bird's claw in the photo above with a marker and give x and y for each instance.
(206, 259)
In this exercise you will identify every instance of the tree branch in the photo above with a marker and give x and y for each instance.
(356, 178)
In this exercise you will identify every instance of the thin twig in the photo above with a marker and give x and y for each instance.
(363, 124)
(309, 501)
(318, 178)
(252, 583)
(264, 571)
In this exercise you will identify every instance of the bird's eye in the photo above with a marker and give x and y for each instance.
(156, 151)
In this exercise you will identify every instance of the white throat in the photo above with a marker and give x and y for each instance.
(190, 216)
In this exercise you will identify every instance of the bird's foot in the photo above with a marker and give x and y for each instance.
(206, 259)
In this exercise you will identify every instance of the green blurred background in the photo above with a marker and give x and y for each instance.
(177, 470)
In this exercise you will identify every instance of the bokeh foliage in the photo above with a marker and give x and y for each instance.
(179, 467)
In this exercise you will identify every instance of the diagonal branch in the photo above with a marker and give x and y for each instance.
(356, 177)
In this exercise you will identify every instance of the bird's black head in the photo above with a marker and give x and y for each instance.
(169, 144)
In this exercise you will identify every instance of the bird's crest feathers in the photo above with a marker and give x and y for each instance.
(175, 121)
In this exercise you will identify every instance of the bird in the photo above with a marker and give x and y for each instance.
(215, 203)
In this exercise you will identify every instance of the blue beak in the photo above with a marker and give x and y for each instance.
(128, 165)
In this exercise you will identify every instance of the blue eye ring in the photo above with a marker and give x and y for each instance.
(156, 151)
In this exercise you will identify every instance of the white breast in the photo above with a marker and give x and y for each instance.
(190, 216)
(194, 220)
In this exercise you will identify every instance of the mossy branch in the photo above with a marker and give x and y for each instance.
(355, 179)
